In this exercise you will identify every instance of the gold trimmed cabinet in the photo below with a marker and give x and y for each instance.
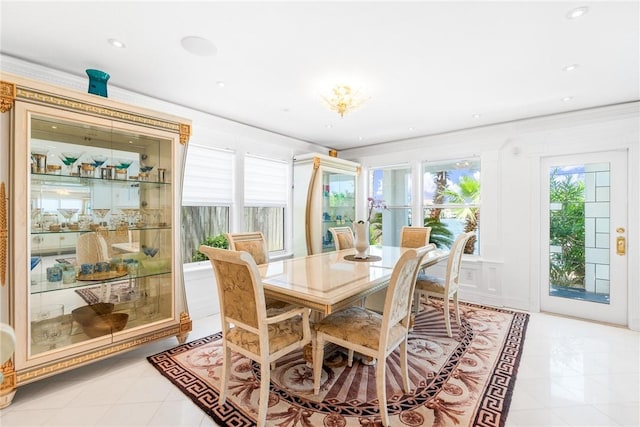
(90, 263)
(324, 196)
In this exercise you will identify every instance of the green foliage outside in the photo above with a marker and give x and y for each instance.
(219, 241)
(468, 193)
(567, 225)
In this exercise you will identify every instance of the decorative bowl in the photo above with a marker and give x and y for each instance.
(86, 314)
(105, 324)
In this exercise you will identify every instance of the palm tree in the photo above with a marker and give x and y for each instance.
(468, 193)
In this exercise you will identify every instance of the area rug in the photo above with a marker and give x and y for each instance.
(466, 380)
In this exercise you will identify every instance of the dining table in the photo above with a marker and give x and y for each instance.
(329, 281)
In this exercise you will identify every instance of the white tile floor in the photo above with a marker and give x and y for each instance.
(572, 373)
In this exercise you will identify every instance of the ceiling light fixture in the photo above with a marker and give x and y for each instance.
(577, 12)
(220, 83)
(115, 43)
(476, 116)
(570, 67)
(344, 100)
(567, 98)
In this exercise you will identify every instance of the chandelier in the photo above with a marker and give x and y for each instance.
(343, 99)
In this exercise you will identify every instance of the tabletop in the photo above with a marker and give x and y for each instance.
(327, 282)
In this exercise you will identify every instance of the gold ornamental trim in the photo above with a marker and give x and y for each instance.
(4, 234)
(185, 133)
(71, 104)
(7, 96)
(30, 375)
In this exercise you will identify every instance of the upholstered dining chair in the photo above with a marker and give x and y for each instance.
(342, 237)
(414, 237)
(444, 287)
(371, 334)
(247, 328)
(252, 242)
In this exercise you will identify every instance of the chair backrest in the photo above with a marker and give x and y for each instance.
(399, 297)
(455, 262)
(342, 237)
(91, 248)
(414, 237)
(239, 287)
(252, 242)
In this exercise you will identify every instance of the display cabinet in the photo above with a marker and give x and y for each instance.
(324, 196)
(90, 260)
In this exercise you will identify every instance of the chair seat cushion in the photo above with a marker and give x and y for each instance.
(430, 283)
(359, 326)
(281, 335)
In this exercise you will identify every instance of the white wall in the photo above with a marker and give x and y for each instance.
(508, 271)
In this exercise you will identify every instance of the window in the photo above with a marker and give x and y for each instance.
(266, 184)
(452, 201)
(206, 197)
(389, 203)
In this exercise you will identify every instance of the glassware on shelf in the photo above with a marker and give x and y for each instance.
(39, 158)
(146, 168)
(67, 213)
(150, 251)
(154, 216)
(36, 219)
(97, 161)
(70, 159)
(100, 213)
(49, 325)
(131, 214)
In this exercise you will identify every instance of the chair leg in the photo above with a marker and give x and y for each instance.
(404, 367)
(382, 391)
(447, 320)
(224, 381)
(263, 404)
(350, 358)
(318, 358)
(457, 308)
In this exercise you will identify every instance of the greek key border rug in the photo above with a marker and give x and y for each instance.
(466, 380)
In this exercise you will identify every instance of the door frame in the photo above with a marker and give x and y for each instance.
(619, 313)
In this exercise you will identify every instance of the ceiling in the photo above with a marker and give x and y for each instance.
(425, 67)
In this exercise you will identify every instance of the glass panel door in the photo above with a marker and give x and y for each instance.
(585, 217)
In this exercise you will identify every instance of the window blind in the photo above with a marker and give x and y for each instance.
(208, 177)
(265, 182)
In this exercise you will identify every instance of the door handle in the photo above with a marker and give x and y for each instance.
(621, 245)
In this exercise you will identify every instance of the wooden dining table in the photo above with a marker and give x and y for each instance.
(328, 281)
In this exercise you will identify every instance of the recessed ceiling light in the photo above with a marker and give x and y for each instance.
(198, 46)
(285, 110)
(115, 43)
(360, 138)
(567, 98)
(411, 129)
(476, 116)
(570, 67)
(577, 12)
(220, 83)
(329, 126)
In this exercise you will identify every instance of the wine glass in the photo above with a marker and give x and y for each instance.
(100, 213)
(123, 163)
(131, 214)
(68, 213)
(69, 159)
(98, 160)
(150, 251)
(49, 325)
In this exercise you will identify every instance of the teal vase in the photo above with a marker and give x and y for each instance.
(98, 82)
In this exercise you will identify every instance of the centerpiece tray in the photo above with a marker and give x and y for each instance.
(103, 275)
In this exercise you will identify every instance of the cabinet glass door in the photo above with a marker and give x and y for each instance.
(338, 204)
(100, 204)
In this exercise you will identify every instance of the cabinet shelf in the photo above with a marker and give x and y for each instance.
(42, 286)
(50, 179)
(111, 230)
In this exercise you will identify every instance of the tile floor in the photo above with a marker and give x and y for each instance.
(572, 373)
